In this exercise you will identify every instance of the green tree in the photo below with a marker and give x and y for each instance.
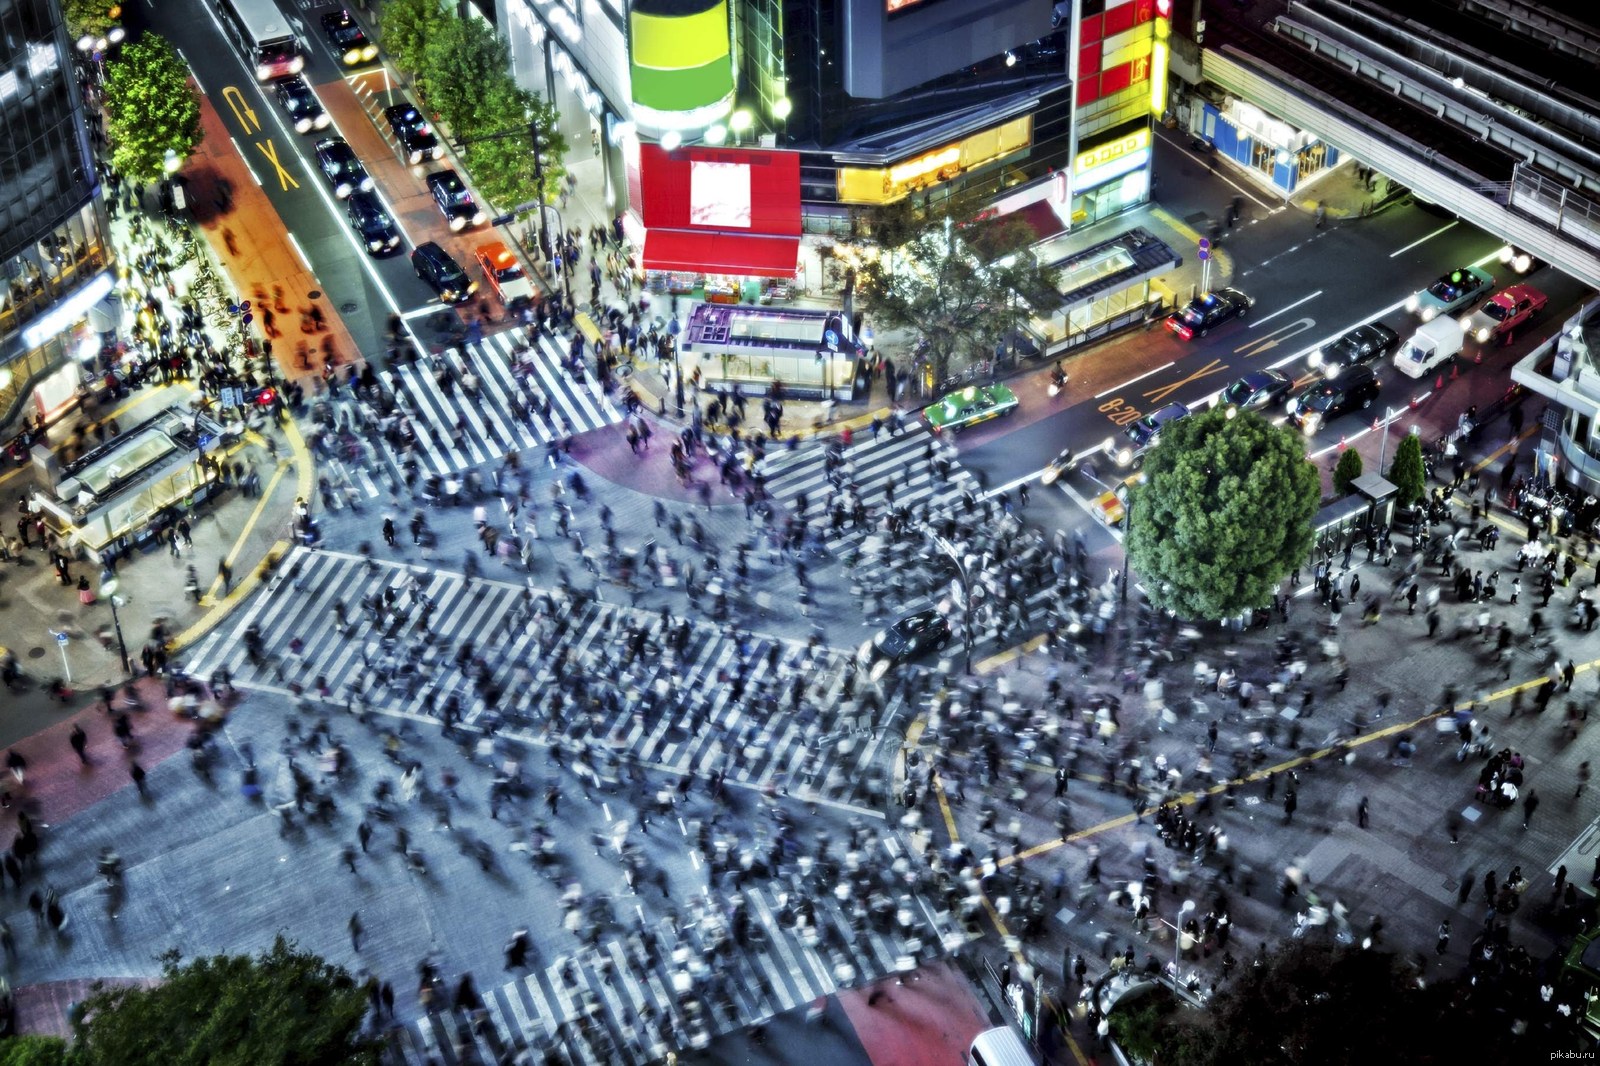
(1407, 474)
(151, 109)
(90, 18)
(287, 1007)
(406, 26)
(1223, 513)
(1347, 471)
(463, 62)
(503, 166)
(35, 1050)
(964, 287)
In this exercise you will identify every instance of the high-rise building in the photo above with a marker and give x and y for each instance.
(723, 130)
(55, 260)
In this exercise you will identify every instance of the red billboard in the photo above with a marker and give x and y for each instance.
(719, 210)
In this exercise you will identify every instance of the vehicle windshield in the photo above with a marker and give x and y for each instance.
(458, 195)
(1192, 315)
(508, 273)
(346, 34)
(1144, 430)
(281, 50)
(1320, 400)
(1238, 392)
(1498, 311)
(1452, 286)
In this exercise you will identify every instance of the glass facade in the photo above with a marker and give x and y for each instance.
(52, 235)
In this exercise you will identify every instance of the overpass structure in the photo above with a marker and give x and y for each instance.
(1480, 106)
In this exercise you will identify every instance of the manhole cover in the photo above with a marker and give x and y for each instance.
(349, 307)
(35, 653)
(314, 294)
(624, 371)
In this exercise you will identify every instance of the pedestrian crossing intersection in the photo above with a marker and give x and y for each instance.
(676, 713)
(456, 429)
(618, 1004)
(897, 459)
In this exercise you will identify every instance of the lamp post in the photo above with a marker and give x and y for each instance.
(109, 590)
(966, 594)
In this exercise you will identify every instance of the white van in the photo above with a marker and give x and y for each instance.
(1000, 1046)
(1432, 344)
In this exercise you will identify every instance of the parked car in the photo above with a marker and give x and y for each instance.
(414, 138)
(305, 111)
(455, 203)
(1207, 312)
(1257, 390)
(1505, 313)
(1365, 344)
(346, 38)
(434, 266)
(970, 406)
(1452, 292)
(1143, 435)
(902, 640)
(341, 168)
(373, 224)
(1319, 403)
(504, 275)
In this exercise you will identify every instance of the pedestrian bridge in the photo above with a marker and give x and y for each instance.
(1443, 99)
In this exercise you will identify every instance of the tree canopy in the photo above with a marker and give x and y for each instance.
(1349, 468)
(1223, 514)
(286, 1006)
(1323, 1004)
(90, 18)
(463, 70)
(1407, 474)
(151, 108)
(963, 287)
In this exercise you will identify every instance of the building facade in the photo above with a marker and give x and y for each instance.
(960, 105)
(56, 283)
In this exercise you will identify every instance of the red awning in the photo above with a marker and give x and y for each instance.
(699, 252)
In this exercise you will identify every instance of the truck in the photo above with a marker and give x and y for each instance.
(1433, 344)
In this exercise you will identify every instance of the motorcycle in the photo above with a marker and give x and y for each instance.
(1058, 380)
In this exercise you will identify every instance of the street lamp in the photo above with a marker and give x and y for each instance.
(109, 590)
(966, 593)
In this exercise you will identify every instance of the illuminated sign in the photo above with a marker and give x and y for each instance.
(1111, 152)
(927, 164)
(719, 194)
(67, 311)
(680, 61)
(891, 6)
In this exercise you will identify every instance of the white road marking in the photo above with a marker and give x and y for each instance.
(1125, 384)
(1284, 310)
(1424, 240)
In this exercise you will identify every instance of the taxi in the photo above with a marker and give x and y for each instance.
(1111, 506)
(970, 406)
(1453, 291)
(504, 275)
(1506, 311)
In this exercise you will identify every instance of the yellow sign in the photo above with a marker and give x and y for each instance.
(881, 185)
(1107, 153)
(927, 164)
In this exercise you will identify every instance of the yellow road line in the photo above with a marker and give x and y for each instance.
(1001, 658)
(244, 533)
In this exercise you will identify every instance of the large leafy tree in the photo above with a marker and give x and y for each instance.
(152, 109)
(1347, 471)
(90, 18)
(503, 166)
(406, 26)
(963, 287)
(286, 1006)
(1408, 474)
(1312, 1003)
(464, 60)
(1223, 513)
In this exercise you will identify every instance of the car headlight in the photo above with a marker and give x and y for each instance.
(1429, 314)
(458, 223)
(478, 218)
(879, 668)
(1316, 359)
(1466, 323)
(342, 189)
(352, 57)
(1050, 474)
(263, 72)
(394, 239)
(1125, 457)
(1309, 422)
(375, 246)
(302, 125)
(1108, 444)
(322, 120)
(366, 183)
(369, 53)
(1412, 303)
(415, 157)
(1333, 370)
(297, 65)
(865, 651)
(1483, 335)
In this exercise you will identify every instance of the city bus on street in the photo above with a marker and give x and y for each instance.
(262, 36)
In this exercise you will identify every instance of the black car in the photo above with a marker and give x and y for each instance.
(434, 266)
(372, 223)
(906, 638)
(338, 163)
(301, 105)
(347, 40)
(455, 202)
(1364, 344)
(1207, 312)
(412, 134)
(1317, 404)
(1256, 390)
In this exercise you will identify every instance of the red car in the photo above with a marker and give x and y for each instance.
(1505, 313)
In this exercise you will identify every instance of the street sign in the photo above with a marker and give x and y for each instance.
(1205, 249)
(61, 638)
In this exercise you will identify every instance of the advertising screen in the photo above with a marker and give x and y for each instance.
(751, 190)
(719, 194)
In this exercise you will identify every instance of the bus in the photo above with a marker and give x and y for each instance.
(263, 37)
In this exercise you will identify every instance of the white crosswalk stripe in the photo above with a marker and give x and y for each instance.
(592, 1005)
(490, 427)
(900, 459)
(781, 725)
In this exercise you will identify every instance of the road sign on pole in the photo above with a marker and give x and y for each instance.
(61, 642)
